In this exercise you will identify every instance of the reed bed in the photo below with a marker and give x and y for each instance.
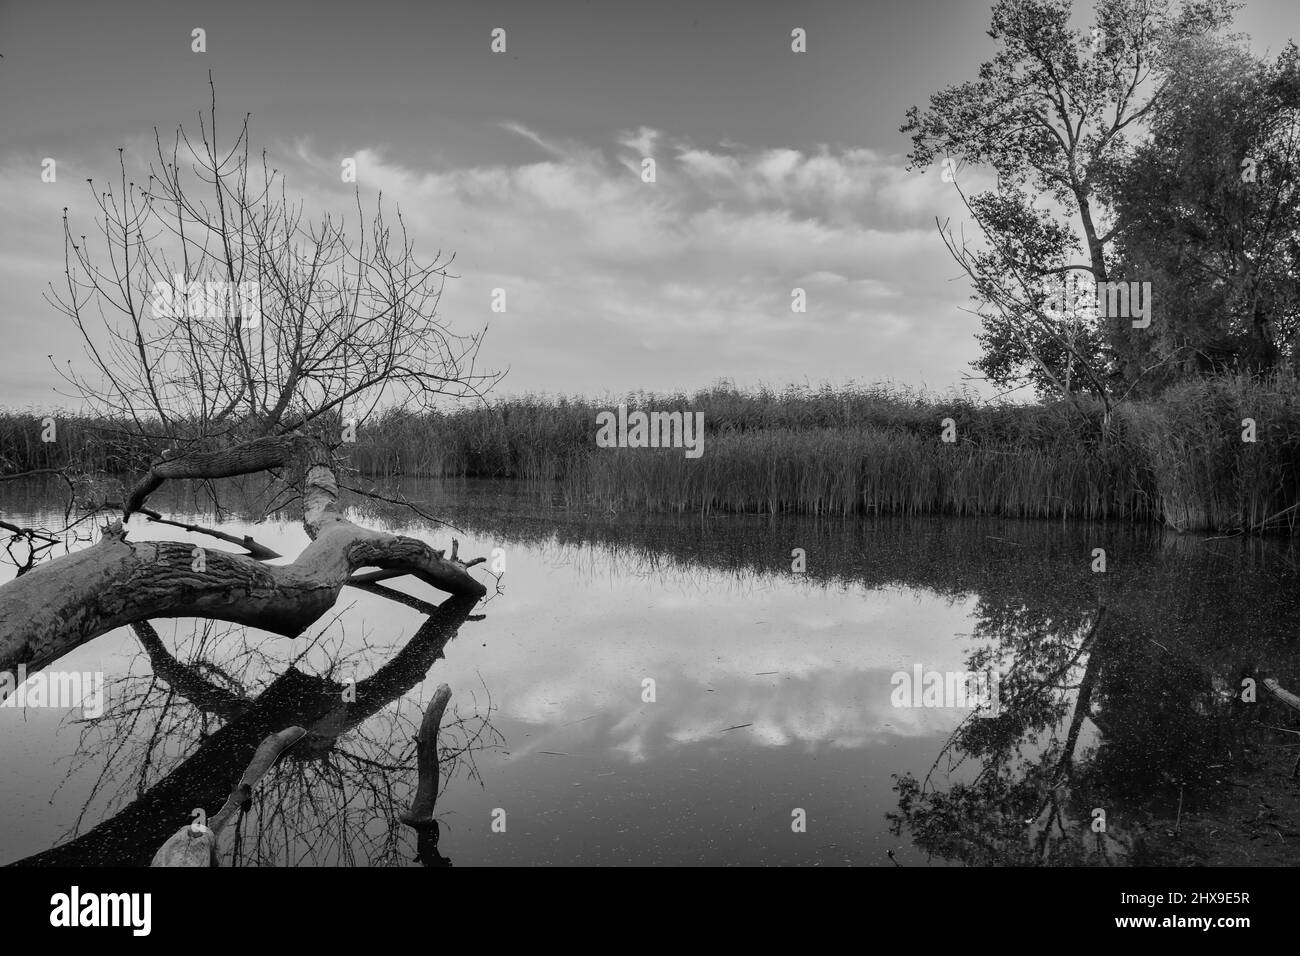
(1179, 459)
(88, 444)
(865, 470)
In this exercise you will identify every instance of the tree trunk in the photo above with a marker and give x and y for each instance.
(61, 605)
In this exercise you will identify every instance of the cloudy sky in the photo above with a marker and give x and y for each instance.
(774, 169)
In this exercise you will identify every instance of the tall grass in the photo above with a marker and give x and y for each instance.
(88, 444)
(860, 470)
(1201, 471)
(874, 450)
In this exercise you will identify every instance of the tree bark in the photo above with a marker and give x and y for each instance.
(1281, 693)
(61, 605)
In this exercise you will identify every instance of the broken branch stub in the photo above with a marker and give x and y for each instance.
(420, 813)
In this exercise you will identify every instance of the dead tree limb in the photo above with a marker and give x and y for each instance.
(420, 813)
(255, 549)
(1281, 693)
(196, 844)
(61, 605)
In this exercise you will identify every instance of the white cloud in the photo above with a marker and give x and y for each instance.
(642, 142)
(615, 283)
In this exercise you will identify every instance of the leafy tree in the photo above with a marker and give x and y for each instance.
(1052, 115)
(1209, 208)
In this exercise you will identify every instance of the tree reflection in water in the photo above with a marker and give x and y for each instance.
(1169, 728)
(179, 734)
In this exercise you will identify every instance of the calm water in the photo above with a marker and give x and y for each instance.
(772, 700)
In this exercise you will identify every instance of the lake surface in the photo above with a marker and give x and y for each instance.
(771, 732)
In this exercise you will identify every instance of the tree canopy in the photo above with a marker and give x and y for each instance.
(1119, 154)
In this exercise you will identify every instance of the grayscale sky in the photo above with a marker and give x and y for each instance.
(775, 169)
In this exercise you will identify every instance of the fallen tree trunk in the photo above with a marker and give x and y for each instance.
(60, 605)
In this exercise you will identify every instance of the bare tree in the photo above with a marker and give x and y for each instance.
(218, 308)
(227, 334)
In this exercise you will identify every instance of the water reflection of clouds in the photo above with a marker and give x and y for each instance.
(578, 629)
(805, 664)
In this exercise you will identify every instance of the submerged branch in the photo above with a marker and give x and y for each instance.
(195, 844)
(420, 814)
